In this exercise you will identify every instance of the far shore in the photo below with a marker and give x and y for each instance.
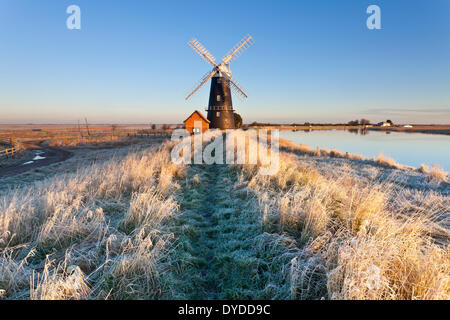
(430, 129)
(419, 128)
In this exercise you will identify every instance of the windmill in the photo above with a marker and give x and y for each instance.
(220, 107)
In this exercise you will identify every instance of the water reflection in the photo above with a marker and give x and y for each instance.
(406, 148)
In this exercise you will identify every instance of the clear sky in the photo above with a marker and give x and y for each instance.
(313, 60)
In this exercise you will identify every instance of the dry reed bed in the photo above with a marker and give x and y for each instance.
(358, 239)
(102, 232)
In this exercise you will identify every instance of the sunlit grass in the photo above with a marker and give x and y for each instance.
(100, 232)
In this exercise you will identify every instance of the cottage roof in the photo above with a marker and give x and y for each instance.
(200, 114)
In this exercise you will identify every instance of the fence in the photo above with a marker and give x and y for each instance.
(12, 147)
(7, 141)
(105, 137)
(77, 140)
(150, 133)
(9, 146)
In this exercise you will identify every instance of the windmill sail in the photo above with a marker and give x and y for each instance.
(236, 87)
(205, 79)
(201, 50)
(238, 49)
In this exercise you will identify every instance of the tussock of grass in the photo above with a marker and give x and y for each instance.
(423, 168)
(384, 161)
(148, 209)
(59, 283)
(437, 174)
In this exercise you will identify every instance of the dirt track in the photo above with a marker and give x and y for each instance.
(25, 162)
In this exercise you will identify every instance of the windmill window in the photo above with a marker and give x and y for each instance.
(218, 114)
(218, 97)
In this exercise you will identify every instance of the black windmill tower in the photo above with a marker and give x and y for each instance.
(220, 107)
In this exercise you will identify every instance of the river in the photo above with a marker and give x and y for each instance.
(411, 149)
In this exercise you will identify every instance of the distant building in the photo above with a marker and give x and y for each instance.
(383, 124)
(189, 123)
(407, 126)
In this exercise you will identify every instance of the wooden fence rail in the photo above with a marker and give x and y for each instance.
(81, 140)
(106, 137)
(12, 147)
(8, 153)
(148, 134)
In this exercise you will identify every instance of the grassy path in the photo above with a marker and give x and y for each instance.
(201, 191)
(224, 250)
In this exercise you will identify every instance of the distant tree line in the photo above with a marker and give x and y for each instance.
(362, 122)
(237, 120)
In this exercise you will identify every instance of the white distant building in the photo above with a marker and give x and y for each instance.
(407, 126)
(383, 124)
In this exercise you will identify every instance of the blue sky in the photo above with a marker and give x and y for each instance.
(312, 60)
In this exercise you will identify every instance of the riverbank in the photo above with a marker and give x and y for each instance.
(413, 149)
(430, 129)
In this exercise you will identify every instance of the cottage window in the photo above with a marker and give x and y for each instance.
(217, 114)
